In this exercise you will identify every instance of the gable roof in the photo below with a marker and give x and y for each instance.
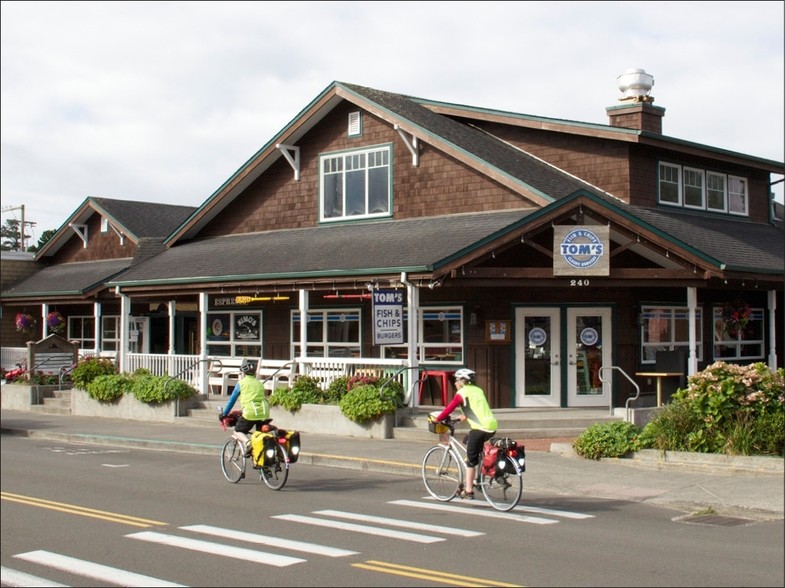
(136, 220)
(71, 280)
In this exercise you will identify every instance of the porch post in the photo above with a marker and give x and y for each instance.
(303, 305)
(171, 309)
(203, 372)
(97, 328)
(44, 312)
(125, 324)
(772, 306)
(412, 304)
(692, 303)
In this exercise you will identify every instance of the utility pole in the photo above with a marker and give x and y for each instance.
(21, 224)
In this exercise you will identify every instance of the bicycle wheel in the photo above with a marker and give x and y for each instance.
(442, 473)
(274, 475)
(233, 461)
(504, 490)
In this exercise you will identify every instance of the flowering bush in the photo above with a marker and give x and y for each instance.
(55, 322)
(24, 322)
(736, 315)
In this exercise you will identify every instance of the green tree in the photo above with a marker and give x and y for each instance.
(11, 236)
(43, 240)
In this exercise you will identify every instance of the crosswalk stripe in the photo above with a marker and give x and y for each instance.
(19, 579)
(89, 569)
(556, 513)
(217, 549)
(398, 523)
(378, 531)
(470, 510)
(272, 541)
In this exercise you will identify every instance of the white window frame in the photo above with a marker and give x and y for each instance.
(743, 194)
(670, 170)
(690, 189)
(743, 346)
(338, 169)
(84, 336)
(110, 333)
(235, 345)
(355, 126)
(441, 352)
(677, 338)
(327, 344)
(714, 190)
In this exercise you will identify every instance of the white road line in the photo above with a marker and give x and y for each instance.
(21, 580)
(217, 549)
(556, 513)
(378, 531)
(272, 541)
(398, 523)
(89, 569)
(470, 510)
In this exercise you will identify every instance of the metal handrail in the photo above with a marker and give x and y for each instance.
(610, 383)
(182, 371)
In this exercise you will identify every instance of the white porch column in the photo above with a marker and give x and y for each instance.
(303, 306)
(692, 305)
(772, 306)
(97, 329)
(203, 341)
(44, 312)
(125, 325)
(172, 310)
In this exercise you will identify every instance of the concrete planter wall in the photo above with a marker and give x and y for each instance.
(23, 396)
(329, 420)
(125, 407)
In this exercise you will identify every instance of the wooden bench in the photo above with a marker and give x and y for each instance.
(223, 373)
(276, 372)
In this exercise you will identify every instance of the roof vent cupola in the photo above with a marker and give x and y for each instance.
(636, 110)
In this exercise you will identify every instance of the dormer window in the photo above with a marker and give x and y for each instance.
(700, 189)
(355, 184)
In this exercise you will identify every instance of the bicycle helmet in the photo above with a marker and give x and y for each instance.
(248, 367)
(465, 374)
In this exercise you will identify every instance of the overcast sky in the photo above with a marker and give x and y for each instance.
(164, 101)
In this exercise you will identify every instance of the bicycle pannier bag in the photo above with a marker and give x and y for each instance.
(490, 457)
(293, 445)
(260, 443)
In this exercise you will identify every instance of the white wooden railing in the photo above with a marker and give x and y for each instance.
(10, 356)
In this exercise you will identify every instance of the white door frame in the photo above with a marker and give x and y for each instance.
(551, 341)
(142, 324)
(580, 364)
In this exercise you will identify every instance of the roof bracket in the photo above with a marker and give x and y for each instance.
(287, 151)
(119, 233)
(81, 231)
(412, 145)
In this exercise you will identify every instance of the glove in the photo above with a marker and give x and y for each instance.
(221, 417)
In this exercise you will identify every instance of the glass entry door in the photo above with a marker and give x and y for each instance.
(537, 361)
(588, 348)
(138, 329)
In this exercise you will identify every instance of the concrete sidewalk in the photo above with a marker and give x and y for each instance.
(744, 487)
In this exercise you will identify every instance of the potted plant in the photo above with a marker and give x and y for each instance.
(25, 323)
(735, 314)
(55, 322)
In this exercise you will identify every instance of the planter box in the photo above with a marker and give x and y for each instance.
(23, 396)
(329, 420)
(125, 407)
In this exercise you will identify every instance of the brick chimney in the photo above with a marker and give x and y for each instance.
(636, 111)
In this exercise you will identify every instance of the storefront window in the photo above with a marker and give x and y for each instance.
(667, 329)
(234, 334)
(735, 341)
(330, 333)
(440, 333)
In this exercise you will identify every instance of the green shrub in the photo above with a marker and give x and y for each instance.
(156, 389)
(109, 388)
(335, 391)
(89, 369)
(304, 390)
(607, 440)
(364, 403)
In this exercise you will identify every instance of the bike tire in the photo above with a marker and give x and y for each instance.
(275, 475)
(503, 491)
(442, 473)
(233, 461)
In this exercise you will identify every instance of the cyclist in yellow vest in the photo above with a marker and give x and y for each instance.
(253, 399)
(477, 412)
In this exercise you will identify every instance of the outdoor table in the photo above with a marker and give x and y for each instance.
(659, 376)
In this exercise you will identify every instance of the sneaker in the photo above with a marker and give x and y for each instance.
(468, 496)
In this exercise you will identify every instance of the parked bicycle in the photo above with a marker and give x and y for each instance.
(274, 450)
(444, 469)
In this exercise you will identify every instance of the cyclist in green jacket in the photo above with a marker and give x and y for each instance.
(477, 412)
(253, 399)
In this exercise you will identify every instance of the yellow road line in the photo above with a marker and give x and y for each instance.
(80, 510)
(426, 574)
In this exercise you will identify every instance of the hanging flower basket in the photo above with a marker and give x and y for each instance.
(24, 322)
(55, 322)
(735, 314)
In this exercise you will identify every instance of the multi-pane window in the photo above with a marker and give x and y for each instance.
(234, 334)
(700, 189)
(355, 184)
(667, 329)
(329, 333)
(738, 342)
(440, 333)
(82, 329)
(110, 333)
(693, 188)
